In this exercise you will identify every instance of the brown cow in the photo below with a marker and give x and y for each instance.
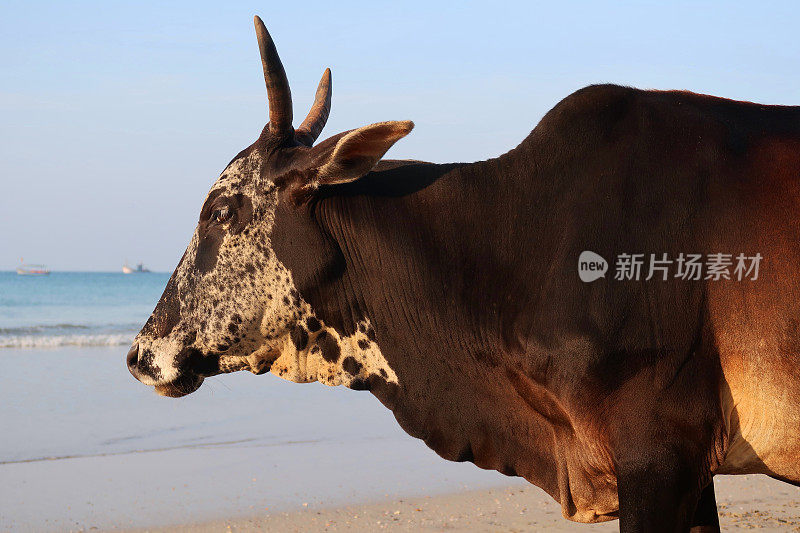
(453, 292)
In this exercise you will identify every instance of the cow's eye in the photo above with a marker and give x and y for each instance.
(221, 215)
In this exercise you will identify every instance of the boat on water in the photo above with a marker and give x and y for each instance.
(33, 270)
(140, 269)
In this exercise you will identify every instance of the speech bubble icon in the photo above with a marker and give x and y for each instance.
(591, 266)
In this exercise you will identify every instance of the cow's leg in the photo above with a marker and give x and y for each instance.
(657, 491)
(706, 518)
(665, 435)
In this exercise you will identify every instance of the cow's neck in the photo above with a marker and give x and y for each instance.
(446, 262)
(432, 251)
(433, 255)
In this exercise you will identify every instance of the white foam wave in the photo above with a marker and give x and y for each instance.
(54, 341)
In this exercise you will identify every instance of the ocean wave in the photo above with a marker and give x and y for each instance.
(42, 328)
(54, 341)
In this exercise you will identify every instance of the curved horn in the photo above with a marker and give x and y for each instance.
(312, 126)
(278, 93)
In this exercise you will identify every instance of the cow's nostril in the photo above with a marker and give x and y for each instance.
(133, 357)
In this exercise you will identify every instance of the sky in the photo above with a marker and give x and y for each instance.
(116, 118)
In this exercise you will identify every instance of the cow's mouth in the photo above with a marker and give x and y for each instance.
(193, 368)
(186, 384)
(199, 366)
(189, 382)
(207, 365)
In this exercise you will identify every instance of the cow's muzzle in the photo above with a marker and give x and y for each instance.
(194, 369)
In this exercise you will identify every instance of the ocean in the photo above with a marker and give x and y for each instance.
(75, 308)
(84, 445)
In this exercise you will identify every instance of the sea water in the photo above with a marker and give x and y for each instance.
(83, 444)
(75, 308)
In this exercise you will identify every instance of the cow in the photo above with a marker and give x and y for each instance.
(451, 292)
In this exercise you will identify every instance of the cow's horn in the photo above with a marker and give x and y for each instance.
(278, 93)
(312, 126)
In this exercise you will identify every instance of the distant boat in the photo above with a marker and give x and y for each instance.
(140, 269)
(33, 270)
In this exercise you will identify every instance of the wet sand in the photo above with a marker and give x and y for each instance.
(745, 502)
(96, 450)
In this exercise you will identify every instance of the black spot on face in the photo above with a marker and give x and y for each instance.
(384, 374)
(211, 233)
(286, 300)
(300, 337)
(363, 344)
(207, 250)
(145, 365)
(351, 366)
(313, 324)
(190, 358)
(330, 348)
(233, 328)
(359, 384)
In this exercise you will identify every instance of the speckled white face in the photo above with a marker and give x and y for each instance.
(231, 301)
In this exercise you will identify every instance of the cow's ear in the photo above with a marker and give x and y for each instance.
(358, 151)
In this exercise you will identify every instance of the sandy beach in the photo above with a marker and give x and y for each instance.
(254, 453)
(745, 502)
(115, 455)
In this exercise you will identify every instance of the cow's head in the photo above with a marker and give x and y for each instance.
(231, 304)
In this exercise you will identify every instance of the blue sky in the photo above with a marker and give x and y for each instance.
(116, 118)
